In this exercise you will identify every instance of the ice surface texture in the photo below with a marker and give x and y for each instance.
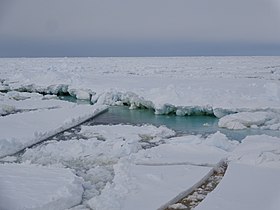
(25, 186)
(244, 92)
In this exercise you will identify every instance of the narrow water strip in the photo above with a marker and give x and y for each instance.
(191, 200)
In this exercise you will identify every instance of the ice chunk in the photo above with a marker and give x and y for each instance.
(81, 94)
(6, 109)
(181, 150)
(35, 187)
(220, 140)
(245, 187)
(260, 150)
(33, 127)
(244, 120)
(156, 185)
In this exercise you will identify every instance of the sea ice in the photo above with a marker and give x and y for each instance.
(243, 91)
(146, 187)
(245, 187)
(33, 127)
(25, 186)
(242, 120)
(159, 175)
(94, 158)
(260, 150)
(252, 178)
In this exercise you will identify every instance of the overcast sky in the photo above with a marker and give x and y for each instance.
(139, 27)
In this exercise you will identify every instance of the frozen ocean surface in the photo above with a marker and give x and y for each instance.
(103, 164)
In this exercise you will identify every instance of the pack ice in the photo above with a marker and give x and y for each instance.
(137, 167)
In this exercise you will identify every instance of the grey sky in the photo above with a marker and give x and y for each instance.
(139, 27)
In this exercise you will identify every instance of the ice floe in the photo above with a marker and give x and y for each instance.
(118, 164)
(245, 187)
(25, 129)
(160, 175)
(252, 178)
(242, 120)
(25, 186)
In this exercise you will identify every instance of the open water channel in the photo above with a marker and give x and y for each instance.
(196, 124)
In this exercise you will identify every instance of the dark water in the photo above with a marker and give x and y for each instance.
(73, 99)
(203, 125)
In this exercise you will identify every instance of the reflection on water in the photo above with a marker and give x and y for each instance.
(203, 125)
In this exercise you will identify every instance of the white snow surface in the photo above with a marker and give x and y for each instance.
(183, 85)
(115, 171)
(187, 150)
(95, 157)
(245, 187)
(252, 178)
(14, 102)
(242, 120)
(159, 174)
(260, 150)
(25, 186)
(146, 187)
(25, 129)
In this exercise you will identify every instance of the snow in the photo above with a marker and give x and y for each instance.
(35, 126)
(242, 120)
(14, 101)
(159, 174)
(94, 158)
(184, 86)
(104, 144)
(252, 178)
(220, 141)
(118, 165)
(185, 150)
(81, 94)
(261, 150)
(117, 171)
(26, 186)
(155, 185)
(245, 187)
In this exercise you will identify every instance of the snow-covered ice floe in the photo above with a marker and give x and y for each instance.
(162, 174)
(184, 86)
(245, 187)
(141, 167)
(25, 186)
(15, 102)
(94, 158)
(242, 120)
(252, 178)
(25, 129)
(260, 150)
(146, 187)
(116, 170)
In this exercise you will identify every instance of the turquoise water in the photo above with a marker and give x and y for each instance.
(203, 125)
(121, 114)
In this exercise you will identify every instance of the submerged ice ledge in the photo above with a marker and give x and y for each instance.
(134, 101)
(230, 118)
